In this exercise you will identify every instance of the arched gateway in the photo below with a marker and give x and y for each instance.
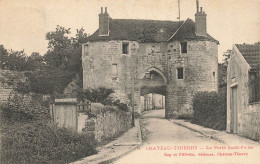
(152, 87)
(136, 57)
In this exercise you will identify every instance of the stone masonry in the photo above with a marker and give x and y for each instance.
(107, 124)
(243, 117)
(137, 48)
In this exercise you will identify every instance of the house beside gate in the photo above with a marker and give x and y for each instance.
(243, 91)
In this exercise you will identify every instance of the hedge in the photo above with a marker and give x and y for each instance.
(28, 136)
(210, 109)
(40, 141)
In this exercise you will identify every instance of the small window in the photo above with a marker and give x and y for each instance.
(114, 70)
(125, 48)
(180, 73)
(147, 75)
(183, 47)
(86, 49)
(214, 76)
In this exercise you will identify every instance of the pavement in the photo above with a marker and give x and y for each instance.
(220, 136)
(179, 141)
(155, 139)
(112, 151)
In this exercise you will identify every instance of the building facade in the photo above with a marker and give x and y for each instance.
(128, 55)
(243, 91)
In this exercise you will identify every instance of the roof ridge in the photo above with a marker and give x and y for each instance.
(246, 44)
(151, 20)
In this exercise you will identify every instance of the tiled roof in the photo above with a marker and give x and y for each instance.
(147, 30)
(251, 54)
(187, 32)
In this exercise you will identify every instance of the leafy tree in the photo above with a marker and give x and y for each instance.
(52, 72)
(226, 56)
(13, 60)
(59, 47)
(257, 43)
(3, 56)
(34, 62)
(64, 51)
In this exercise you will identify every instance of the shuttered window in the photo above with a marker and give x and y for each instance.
(114, 70)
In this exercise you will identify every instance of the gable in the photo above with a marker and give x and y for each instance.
(187, 32)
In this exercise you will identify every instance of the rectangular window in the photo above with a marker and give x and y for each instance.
(114, 70)
(183, 47)
(125, 48)
(180, 73)
(147, 75)
(86, 49)
(254, 86)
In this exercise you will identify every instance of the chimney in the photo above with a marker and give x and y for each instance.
(200, 22)
(103, 23)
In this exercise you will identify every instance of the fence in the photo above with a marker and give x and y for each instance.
(70, 113)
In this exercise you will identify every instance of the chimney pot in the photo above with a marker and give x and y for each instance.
(201, 23)
(197, 6)
(103, 23)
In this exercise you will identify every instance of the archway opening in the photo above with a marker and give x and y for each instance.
(152, 90)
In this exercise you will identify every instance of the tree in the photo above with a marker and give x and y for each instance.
(257, 43)
(62, 62)
(3, 57)
(59, 47)
(35, 62)
(12, 60)
(227, 56)
(52, 72)
(63, 51)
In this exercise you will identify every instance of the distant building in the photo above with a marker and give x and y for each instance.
(243, 89)
(9, 80)
(128, 54)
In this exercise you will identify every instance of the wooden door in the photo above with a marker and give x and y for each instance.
(233, 106)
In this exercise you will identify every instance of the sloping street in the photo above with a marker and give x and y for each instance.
(166, 142)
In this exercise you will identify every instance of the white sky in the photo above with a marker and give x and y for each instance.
(24, 23)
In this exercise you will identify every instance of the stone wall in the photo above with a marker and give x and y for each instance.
(251, 122)
(200, 65)
(237, 77)
(245, 121)
(97, 62)
(8, 81)
(107, 123)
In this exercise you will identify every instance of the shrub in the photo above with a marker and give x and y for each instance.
(101, 95)
(22, 109)
(46, 81)
(40, 142)
(27, 135)
(210, 109)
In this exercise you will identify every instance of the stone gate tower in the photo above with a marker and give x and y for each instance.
(129, 55)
